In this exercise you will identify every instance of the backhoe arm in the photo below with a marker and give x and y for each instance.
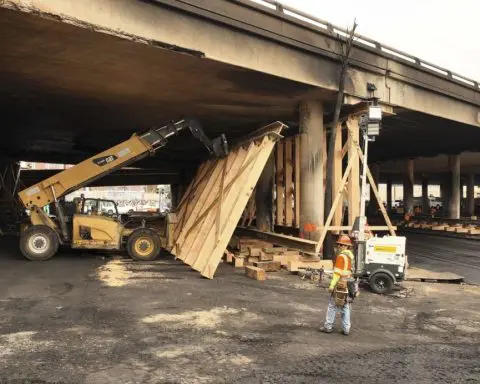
(135, 148)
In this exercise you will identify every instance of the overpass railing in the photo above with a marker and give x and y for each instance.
(326, 27)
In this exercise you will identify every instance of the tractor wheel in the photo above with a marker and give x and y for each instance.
(39, 243)
(381, 283)
(144, 245)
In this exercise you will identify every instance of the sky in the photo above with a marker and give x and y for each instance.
(443, 32)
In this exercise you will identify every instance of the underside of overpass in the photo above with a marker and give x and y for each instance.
(69, 92)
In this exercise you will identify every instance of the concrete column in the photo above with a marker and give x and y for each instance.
(389, 195)
(311, 172)
(471, 194)
(264, 197)
(425, 198)
(408, 187)
(454, 162)
(372, 204)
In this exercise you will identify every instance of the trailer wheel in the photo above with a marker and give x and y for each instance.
(39, 243)
(381, 283)
(144, 245)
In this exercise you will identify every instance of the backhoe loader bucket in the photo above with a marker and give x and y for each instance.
(220, 146)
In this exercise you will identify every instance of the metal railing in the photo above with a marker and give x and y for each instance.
(326, 27)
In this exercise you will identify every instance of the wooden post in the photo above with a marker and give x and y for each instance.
(354, 180)
(297, 186)
(337, 199)
(288, 169)
(279, 181)
(377, 194)
(337, 173)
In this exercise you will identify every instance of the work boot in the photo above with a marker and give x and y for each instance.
(345, 333)
(325, 330)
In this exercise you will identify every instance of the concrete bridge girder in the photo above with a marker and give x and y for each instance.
(262, 42)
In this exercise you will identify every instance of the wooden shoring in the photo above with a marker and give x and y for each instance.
(337, 173)
(279, 183)
(296, 191)
(218, 207)
(354, 180)
(373, 185)
(338, 198)
(288, 178)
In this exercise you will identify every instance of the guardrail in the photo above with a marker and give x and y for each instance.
(326, 27)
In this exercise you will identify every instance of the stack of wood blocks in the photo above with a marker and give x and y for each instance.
(258, 257)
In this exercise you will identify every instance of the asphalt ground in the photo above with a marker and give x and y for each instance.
(86, 318)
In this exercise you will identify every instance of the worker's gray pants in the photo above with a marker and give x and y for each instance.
(332, 311)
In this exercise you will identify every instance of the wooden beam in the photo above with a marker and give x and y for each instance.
(337, 174)
(354, 181)
(371, 228)
(279, 182)
(296, 191)
(377, 195)
(335, 203)
(288, 178)
(278, 239)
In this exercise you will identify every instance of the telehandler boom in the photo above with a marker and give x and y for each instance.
(41, 236)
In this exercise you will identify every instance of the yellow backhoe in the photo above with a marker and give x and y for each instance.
(91, 226)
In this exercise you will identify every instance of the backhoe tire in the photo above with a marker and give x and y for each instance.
(39, 243)
(381, 283)
(144, 245)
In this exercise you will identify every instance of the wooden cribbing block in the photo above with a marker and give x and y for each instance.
(229, 257)
(253, 259)
(238, 261)
(451, 229)
(309, 258)
(255, 273)
(461, 230)
(252, 251)
(275, 250)
(294, 266)
(266, 256)
(474, 231)
(284, 259)
(439, 227)
(269, 266)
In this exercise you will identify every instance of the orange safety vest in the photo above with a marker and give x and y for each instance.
(343, 264)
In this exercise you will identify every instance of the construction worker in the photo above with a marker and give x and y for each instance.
(340, 300)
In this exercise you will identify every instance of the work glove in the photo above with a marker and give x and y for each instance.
(330, 289)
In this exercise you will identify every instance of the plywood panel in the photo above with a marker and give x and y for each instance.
(217, 202)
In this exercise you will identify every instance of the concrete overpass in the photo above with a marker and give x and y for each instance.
(79, 76)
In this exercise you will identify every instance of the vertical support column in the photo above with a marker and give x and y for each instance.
(354, 179)
(471, 194)
(389, 195)
(408, 187)
(337, 174)
(311, 172)
(264, 197)
(372, 204)
(425, 198)
(280, 183)
(454, 161)
(288, 177)
(174, 196)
